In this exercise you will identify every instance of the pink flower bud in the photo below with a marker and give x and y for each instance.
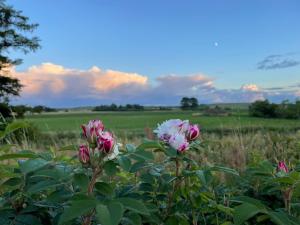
(105, 142)
(282, 167)
(83, 154)
(193, 132)
(92, 130)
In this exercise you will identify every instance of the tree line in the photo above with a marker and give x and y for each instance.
(114, 107)
(265, 109)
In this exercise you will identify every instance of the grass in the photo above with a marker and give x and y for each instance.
(136, 122)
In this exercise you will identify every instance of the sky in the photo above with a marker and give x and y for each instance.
(155, 52)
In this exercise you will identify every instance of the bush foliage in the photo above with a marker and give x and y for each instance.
(271, 110)
(151, 183)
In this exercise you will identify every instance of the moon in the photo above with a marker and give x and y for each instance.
(216, 44)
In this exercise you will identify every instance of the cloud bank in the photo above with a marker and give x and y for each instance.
(277, 62)
(54, 85)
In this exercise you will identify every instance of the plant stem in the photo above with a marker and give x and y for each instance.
(175, 186)
(96, 172)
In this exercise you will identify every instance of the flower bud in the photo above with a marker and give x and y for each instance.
(105, 142)
(84, 154)
(193, 132)
(92, 130)
(282, 167)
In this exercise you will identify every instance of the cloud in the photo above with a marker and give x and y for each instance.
(250, 87)
(54, 85)
(277, 62)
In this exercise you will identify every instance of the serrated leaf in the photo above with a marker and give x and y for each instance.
(142, 155)
(134, 205)
(110, 214)
(104, 188)
(32, 165)
(125, 163)
(244, 212)
(18, 156)
(77, 209)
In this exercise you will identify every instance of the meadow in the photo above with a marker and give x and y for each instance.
(136, 122)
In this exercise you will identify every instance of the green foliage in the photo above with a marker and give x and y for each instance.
(13, 28)
(146, 184)
(271, 110)
(189, 103)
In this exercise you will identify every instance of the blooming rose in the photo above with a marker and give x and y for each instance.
(193, 132)
(83, 154)
(92, 130)
(179, 142)
(171, 127)
(105, 142)
(114, 153)
(282, 167)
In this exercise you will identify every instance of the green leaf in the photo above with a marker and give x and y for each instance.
(150, 145)
(18, 156)
(281, 218)
(244, 212)
(142, 155)
(171, 152)
(69, 148)
(110, 168)
(77, 209)
(134, 205)
(12, 181)
(111, 214)
(130, 147)
(133, 218)
(10, 128)
(43, 185)
(125, 163)
(225, 170)
(32, 165)
(82, 181)
(104, 188)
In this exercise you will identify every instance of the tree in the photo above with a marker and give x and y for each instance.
(13, 27)
(194, 103)
(189, 103)
(184, 103)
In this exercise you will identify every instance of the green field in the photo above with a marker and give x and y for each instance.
(136, 122)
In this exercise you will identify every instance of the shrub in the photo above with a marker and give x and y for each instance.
(157, 182)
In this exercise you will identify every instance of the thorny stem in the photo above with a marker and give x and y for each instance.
(175, 186)
(287, 196)
(96, 172)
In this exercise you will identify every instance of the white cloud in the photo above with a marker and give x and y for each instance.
(55, 85)
(250, 87)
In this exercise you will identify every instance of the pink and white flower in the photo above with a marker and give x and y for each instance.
(114, 153)
(168, 128)
(193, 132)
(179, 142)
(282, 167)
(177, 133)
(84, 154)
(105, 142)
(92, 130)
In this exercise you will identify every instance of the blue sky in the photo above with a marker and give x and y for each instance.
(223, 40)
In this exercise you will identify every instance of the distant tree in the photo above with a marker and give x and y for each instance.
(38, 109)
(189, 103)
(185, 103)
(20, 110)
(194, 103)
(13, 27)
(263, 109)
(113, 107)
